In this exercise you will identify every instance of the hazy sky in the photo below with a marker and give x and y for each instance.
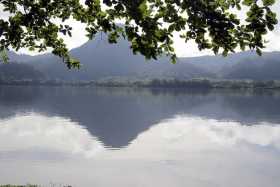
(181, 47)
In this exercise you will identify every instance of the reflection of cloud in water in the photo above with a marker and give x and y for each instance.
(221, 132)
(35, 132)
(196, 135)
(183, 151)
(54, 134)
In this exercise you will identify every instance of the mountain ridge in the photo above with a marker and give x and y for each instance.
(101, 60)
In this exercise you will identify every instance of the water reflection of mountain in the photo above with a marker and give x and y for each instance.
(117, 116)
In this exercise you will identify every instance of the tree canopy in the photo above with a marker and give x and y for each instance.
(148, 25)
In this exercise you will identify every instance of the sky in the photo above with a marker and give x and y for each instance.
(182, 49)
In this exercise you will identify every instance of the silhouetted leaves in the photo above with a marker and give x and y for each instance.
(149, 25)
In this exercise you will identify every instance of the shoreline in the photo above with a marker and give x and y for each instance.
(155, 83)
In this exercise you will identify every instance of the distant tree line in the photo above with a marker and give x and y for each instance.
(192, 83)
(24, 74)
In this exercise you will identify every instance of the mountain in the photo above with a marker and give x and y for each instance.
(266, 67)
(102, 60)
(16, 71)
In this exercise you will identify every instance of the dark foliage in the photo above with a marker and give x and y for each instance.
(149, 25)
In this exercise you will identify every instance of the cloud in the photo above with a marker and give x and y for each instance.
(274, 37)
(78, 37)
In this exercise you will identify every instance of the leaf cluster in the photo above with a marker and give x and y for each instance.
(149, 25)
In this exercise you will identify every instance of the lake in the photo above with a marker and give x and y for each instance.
(100, 137)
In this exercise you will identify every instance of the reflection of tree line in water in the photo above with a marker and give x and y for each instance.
(37, 98)
(117, 115)
(27, 94)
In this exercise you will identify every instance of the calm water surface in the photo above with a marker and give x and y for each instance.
(139, 137)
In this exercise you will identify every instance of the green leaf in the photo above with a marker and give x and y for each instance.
(259, 52)
(4, 56)
(268, 2)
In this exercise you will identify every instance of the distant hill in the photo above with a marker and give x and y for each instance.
(15, 71)
(266, 67)
(101, 60)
